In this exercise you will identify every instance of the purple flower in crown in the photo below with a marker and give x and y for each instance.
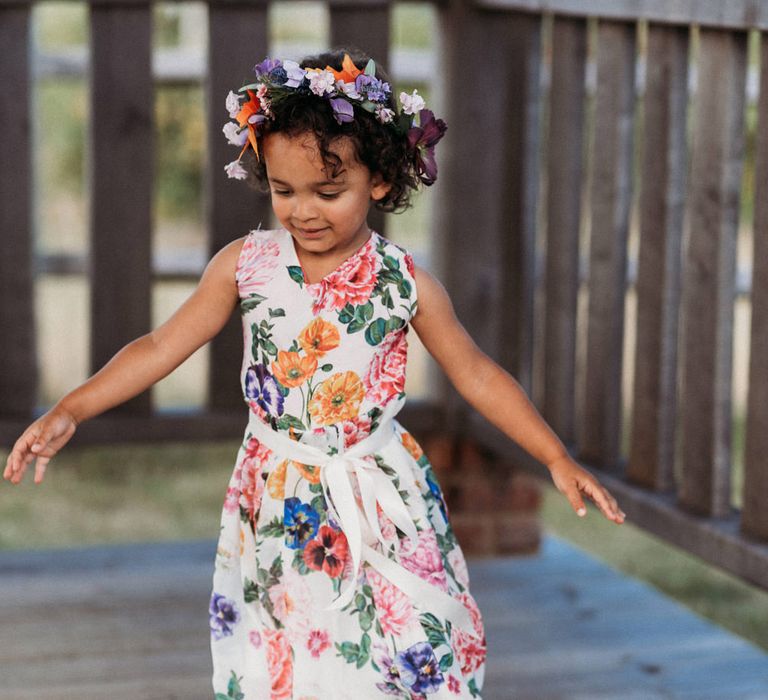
(295, 74)
(342, 110)
(261, 386)
(266, 67)
(422, 139)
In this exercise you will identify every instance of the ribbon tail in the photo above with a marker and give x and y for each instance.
(340, 492)
(368, 497)
(392, 504)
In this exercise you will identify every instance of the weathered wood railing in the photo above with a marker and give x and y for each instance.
(491, 212)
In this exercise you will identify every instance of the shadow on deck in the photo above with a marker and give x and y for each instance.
(130, 621)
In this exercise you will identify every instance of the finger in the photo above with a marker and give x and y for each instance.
(42, 463)
(604, 501)
(577, 503)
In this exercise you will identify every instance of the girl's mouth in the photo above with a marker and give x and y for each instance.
(311, 232)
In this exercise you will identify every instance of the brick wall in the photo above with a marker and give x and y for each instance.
(493, 505)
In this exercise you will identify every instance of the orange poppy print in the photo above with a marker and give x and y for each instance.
(276, 481)
(411, 445)
(291, 369)
(319, 337)
(337, 399)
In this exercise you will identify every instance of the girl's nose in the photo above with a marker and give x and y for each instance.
(304, 209)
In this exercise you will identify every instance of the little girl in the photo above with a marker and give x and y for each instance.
(337, 574)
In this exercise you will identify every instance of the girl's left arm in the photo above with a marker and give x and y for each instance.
(491, 390)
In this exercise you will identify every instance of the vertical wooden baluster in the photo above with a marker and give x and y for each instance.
(365, 26)
(18, 368)
(564, 177)
(709, 272)
(237, 39)
(754, 517)
(121, 176)
(664, 163)
(610, 204)
(484, 214)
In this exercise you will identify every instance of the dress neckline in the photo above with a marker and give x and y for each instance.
(344, 263)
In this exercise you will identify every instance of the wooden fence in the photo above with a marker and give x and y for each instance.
(516, 156)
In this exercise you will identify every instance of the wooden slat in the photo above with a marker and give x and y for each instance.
(733, 14)
(237, 41)
(564, 178)
(755, 493)
(610, 203)
(664, 164)
(121, 176)
(709, 271)
(474, 223)
(365, 26)
(18, 368)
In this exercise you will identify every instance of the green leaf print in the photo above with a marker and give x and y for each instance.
(274, 528)
(250, 590)
(375, 332)
(435, 632)
(355, 325)
(286, 421)
(391, 262)
(347, 313)
(274, 313)
(327, 367)
(365, 650)
(473, 688)
(446, 661)
(298, 562)
(296, 274)
(393, 323)
(233, 689)
(349, 650)
(250, 303)
(386, 299)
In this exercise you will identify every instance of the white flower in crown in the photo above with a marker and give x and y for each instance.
(384, 114)
(233, 104)
(349, 90)
(235, 170)
(412, 103)
(231, 132)
(321, 82)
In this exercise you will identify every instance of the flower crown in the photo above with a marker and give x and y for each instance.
(251, 107)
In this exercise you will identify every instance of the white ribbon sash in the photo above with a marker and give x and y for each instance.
(361, 527)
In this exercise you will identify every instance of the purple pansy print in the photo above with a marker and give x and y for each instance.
(391, 684)
(261, 386)
(419, 669)
(223, 615)
(301, 523)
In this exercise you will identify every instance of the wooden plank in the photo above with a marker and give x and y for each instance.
(755, 491)
(564, 177)
(121, 177)
(574, 627)
(18, 369)
(664, 166)
(734, 14)
(237, 38)
(417, 416)
(365, 26)
(610, 202)
(478, 246)
(708, 282)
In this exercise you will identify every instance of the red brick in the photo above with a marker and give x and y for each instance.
(517, 533)
(475, 532)
(521, 493)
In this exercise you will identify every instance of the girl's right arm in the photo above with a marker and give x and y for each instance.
(136, 367)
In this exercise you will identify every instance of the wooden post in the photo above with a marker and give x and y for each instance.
(121, 177)
(563, 206)
(754, 520)
(18, 368)
(365, 25)
(484, 219)
(610, 203)
(709, 274)
(237, 41)
(664, 164)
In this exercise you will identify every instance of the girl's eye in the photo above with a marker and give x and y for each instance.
(281, 193)
(328, 195)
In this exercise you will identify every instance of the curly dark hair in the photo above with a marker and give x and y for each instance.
(382, 149)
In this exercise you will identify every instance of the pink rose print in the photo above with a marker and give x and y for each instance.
(255, 638)
(409, 264)
(232, 500)
(251, 483)
(318, 642)
(459, 565)
(386, 373)
(280, 664)
(355, 430)
(453, 685)
(425, 560)
(257, 265)
(352, 283)
(394, 607)
(470, 652)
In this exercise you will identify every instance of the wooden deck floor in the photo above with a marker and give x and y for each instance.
(131, 622)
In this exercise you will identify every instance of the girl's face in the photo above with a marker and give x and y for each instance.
(324, 215)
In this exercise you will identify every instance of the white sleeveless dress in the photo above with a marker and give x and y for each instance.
(337, 574)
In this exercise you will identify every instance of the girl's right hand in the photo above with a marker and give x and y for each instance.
(41, 440)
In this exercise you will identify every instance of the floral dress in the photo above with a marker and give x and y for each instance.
(324, 366)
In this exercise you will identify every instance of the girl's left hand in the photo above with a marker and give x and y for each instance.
(573, 480)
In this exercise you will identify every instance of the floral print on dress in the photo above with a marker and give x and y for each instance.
(321, 363)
